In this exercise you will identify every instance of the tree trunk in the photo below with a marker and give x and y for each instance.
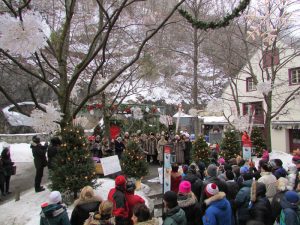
(106, 119)
(268, 101)
(195, 70)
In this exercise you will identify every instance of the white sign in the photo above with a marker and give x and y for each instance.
(246, 153)
(110, 165)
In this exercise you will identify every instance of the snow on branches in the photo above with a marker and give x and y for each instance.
(46, 122)
(23, 37)
(241, 123)
(137, 113)
(264, 87)
(215, 106)
(266, 22)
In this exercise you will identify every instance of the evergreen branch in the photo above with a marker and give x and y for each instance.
(224, 22)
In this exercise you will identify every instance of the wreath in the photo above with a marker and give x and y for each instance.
(203, 25)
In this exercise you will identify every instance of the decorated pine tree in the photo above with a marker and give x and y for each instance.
(73, 166)
(258, 141)
(133, 161)
(201, 151)
(230, 145)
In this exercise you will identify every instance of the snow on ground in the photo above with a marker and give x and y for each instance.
(285, 158)
(27, 210)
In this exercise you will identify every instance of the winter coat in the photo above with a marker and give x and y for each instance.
(143, 145)
(133, 200)
(187, 151)
(39, 155)
(152, 146)
(52, 151)
(242, 200)
(187, 203)
(175, 216)
(83, 209)
(160, 149)
(54, 214)
(119, 147)
(153, 221)
(275, 204)
(233, 189)
(271, 182)
(261, 211)
(97, 219)
(289, 214)
(175, 181)
(218, 210)
(120, 205)
(220, 183)
(7, 165)
(280, 172)
(196, 183)
(179, 147)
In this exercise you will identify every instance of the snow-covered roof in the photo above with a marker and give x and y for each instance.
(213, 120)
(181, 115)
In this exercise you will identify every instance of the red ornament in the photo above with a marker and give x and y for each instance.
(90, 107)
(128, 110)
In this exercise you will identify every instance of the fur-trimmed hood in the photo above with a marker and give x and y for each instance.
(217, 197)
(95, 199)
(186, 200)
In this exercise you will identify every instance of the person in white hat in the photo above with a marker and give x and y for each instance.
(218, 210)
(54, 212)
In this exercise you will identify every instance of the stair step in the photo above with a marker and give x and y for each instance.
(158, 203)
(155, 195)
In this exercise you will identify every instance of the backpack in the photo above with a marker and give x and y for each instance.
(283, 215)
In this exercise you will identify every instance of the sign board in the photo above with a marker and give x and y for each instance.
(110, 165)
(247, 152)
(167, 168)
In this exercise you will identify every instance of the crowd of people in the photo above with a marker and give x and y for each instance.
(122, 207)
(236, 192)
(151, 145)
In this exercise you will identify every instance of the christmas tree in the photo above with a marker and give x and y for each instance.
(133, 161)
(230, 146)
(258, 141)
(200, 151)
(73, 166)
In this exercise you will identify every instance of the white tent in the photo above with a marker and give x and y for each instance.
(213, 120)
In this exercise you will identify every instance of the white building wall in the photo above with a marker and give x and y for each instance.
(280, 140)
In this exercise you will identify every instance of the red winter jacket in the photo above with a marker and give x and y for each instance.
(117, 197)
(133, 200)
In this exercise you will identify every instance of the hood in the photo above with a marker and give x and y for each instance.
(94, 199)
(186, 200)
(217, 200)
(285, 204)
(52, 211)
(247, 183)
(176, 214)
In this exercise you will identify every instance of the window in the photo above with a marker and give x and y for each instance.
(294, 76)
(270, 57)
(257, 109)
(250, 86)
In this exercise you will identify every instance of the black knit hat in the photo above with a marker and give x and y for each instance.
(170, 198)
(36, 139)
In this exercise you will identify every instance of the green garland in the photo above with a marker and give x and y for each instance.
(203, 25)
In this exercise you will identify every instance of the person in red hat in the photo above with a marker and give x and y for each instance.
(117, 197)
(218, 210)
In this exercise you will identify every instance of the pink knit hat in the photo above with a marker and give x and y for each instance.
(185, 187)
(211, 189)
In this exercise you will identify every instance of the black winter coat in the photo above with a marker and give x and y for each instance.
(52, 151)
(261, 211)
(39, 155)
(82, 210)
(242, 200)
(275, 205)
(188, 203)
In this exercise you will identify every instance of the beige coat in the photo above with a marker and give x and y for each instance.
(271, 184)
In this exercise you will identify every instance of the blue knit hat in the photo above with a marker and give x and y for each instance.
(244, 169)
(292, 197)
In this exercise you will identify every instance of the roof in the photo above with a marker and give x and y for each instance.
(213, 120)
(182, 115)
